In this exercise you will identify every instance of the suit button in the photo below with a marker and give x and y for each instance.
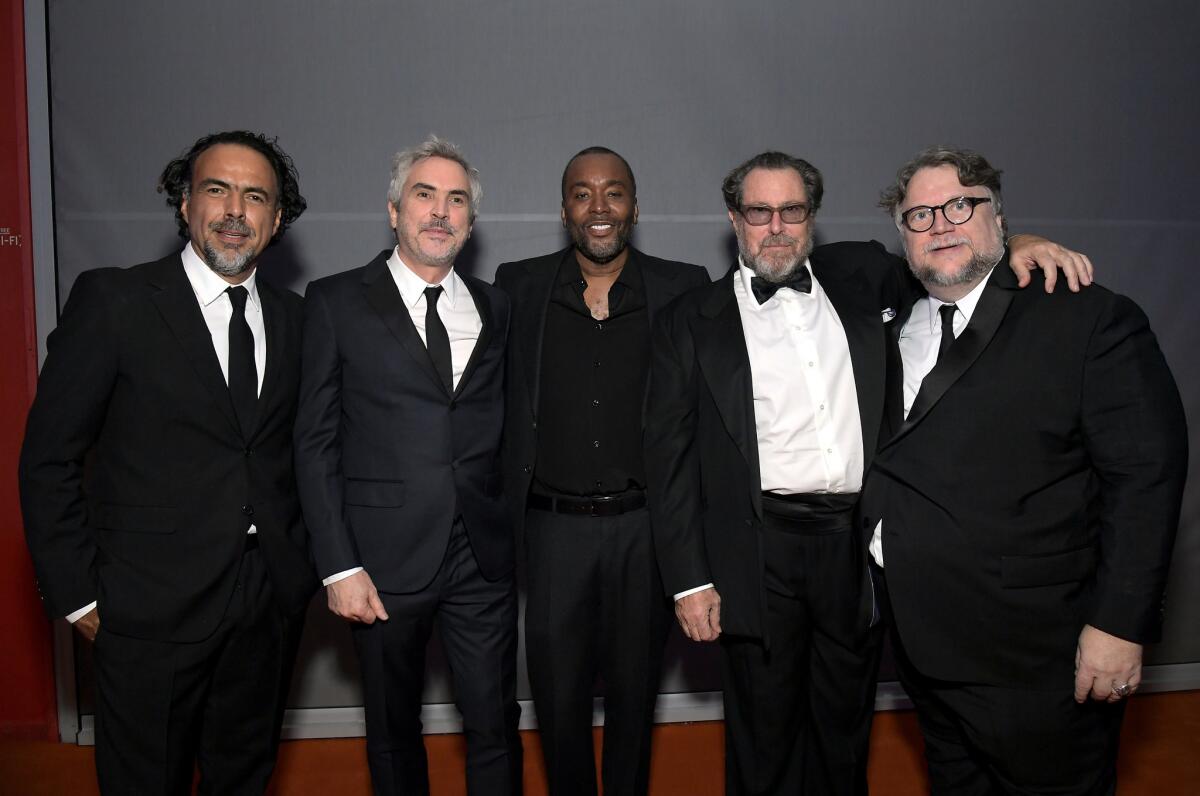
(453, 406)
(527, 469)
(535, 425)
(248, 510)
(248, 452)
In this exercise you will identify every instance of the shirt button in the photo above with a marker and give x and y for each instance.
(810, 364)
(595, 443)
(597, 484)
(595, 402)
(821, 407)
(599, 326)
(595, 363)
(829, 450)
(248, 510)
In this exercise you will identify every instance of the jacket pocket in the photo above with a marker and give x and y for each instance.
(378, 494)
(1069, 566)
(138, 519)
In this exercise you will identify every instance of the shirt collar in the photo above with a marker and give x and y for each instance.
(208, 285)
(412, 287)
(966, 305)
(746, 275)
(569, 272)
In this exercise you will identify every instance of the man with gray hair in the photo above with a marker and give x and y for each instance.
(1021, 558)
(397, 458)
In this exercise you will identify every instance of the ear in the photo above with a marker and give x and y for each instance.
(635, 212)
(999, 220)
(393, 215)
(183, 206)
(278, 218)
(732, 218)
(562, 214)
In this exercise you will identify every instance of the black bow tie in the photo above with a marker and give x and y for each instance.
(800, 280)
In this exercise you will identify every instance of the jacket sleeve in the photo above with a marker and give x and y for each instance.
(318, 443)
(1136, 437)
(65, 421)
(672, 459)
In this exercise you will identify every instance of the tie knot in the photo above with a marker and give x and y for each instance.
(237, 296)
(947, 312)
(432, 294)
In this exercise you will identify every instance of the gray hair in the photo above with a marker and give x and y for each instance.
(774, 161)
(432, 147)
(972, 168)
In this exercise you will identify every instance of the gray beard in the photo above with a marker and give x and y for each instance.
(765, 269)
(977, 267)
(227, 263)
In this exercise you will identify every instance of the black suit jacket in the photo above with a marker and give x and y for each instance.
(385, 457)
(1034, 487)
(529, 284)
(702, 446)
(153, 526)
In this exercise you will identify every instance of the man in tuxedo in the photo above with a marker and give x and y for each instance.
(574, 470)
(1024, 554)
(397, 457)
(767, 395)
(178, 547)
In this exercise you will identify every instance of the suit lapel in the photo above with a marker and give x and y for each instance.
(176, 302)
(985, 321)
(277, 348)
(850, 296)
(484, 306)
(384, 297)
(721, 352)
(531, 323)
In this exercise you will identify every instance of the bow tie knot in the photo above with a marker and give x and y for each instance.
(799, 280)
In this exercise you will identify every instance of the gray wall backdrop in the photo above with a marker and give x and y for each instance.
(1090, 107)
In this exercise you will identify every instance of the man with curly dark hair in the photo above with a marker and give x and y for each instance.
(179, 550)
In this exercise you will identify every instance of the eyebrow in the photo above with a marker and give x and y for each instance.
(606, 184)
(223, 184)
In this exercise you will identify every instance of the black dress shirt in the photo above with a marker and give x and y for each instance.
(593, 387)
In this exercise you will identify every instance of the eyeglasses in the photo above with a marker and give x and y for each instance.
(761, 215)
(956, 211)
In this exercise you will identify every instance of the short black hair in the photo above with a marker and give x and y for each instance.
(176, 179)
(599, 150)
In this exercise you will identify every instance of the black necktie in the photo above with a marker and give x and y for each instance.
(947, 313)
(800, 280)
(437, 340)
(243, 376)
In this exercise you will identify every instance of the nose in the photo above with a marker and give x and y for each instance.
(598, 203)
(235, 205)
(775, 225)
(940, 224)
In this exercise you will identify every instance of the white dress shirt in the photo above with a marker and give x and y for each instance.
(805, 401)
(217, 309)
(456, 307)
(919, 342)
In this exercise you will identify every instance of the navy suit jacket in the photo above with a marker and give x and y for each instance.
(386, 459)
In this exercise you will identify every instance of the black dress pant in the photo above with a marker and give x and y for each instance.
(477, 621)
(983, 740)
(595, 606)
(163, 707)
(799, 703)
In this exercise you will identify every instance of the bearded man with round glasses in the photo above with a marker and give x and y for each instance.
(766, 405)
(1021, 560)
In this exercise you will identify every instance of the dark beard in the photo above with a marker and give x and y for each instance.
(611, 249)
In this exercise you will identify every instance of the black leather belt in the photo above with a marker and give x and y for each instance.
(594, 506)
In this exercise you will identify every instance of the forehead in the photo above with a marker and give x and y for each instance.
(774, 187)
(598, 167)
(441, 173)
(933, 185)
(235, 164)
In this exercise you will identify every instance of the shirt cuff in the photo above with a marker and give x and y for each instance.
(75, 616)
(345, 573)
(683, 594)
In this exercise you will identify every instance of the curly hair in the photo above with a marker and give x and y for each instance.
(972, 167)
(176, 179)
(814, 186)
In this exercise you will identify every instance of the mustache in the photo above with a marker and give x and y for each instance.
(231, 225)
(778, 240)
(946, 243)
(439, 223)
